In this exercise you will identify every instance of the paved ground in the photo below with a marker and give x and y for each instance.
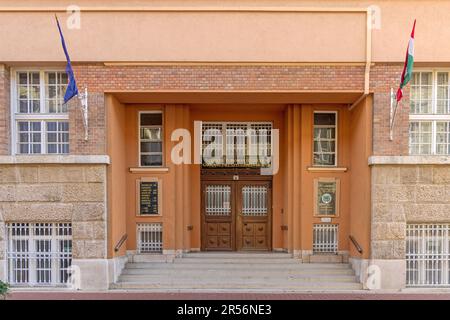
(120, 295)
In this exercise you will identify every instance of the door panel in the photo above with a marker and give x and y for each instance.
(254, 215)
(217, 216)
(236, 215)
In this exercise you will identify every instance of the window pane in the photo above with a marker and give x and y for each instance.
(151, 133)
(151, 160)
(420, 141)
(151, 147)
(324, 139)
(443, 138)
(325, 119)
(57, 137)
(151, 119)
(55, 87)
(421, 90)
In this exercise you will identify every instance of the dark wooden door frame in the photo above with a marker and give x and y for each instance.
(236, 178)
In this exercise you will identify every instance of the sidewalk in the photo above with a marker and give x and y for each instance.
(136, 295)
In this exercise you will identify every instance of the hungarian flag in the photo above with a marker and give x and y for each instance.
(408, 67)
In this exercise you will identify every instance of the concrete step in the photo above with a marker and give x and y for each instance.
(207, 265)
(326, 258)
(291, 286)
(236, 261)
(238, 255)
(260, 271)
(237, 278)
(162, 258)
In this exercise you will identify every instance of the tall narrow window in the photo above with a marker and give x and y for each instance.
(151, 141)
(324, 139)
(40, 118)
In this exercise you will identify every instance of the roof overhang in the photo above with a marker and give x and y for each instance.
(237, 97)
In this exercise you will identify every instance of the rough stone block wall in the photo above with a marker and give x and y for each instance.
(4, 110)
(57, 193)
(404, 194)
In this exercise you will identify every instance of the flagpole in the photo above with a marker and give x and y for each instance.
(392, 114)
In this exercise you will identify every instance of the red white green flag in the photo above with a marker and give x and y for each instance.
(408, 67)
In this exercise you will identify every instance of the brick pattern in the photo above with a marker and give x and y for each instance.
(54, 193)
(99, 78)
(4, 110)
(383, 78)
(406, 194)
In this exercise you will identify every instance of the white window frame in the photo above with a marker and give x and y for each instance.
(162, 138)
(433, 117)
(42, 116)
(32, 255)
(336, 135)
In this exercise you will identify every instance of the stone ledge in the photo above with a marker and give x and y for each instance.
(408, 160)
(55, 159)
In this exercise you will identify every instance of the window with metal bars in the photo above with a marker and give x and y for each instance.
(149, 237)
(325, 238)
(38, 254)
(218, 200)
(428, 255)
(236, 144)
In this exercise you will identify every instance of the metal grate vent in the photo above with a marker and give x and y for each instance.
(149, 237)
(325, 238)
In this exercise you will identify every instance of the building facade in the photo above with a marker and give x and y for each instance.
(307, 84)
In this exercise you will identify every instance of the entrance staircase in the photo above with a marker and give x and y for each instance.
(264, 272)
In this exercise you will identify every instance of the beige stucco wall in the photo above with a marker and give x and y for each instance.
(57, 193)
(240, 30)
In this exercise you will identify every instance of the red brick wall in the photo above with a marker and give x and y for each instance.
(99, 78)
(4, 110)
(383, 78)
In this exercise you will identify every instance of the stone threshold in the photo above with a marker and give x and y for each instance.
(55, 159)
(408, 160)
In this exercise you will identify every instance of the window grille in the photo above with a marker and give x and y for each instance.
(149, 237)
(428, 255)
(325, 238)
(39, 254)
(254, 200)
(244, 144)
(218, 199)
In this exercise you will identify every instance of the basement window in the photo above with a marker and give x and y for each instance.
(38, 254)
(428, 255)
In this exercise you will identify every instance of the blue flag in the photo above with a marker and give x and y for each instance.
(72, 89)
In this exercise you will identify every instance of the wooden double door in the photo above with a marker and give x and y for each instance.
(236, 214)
